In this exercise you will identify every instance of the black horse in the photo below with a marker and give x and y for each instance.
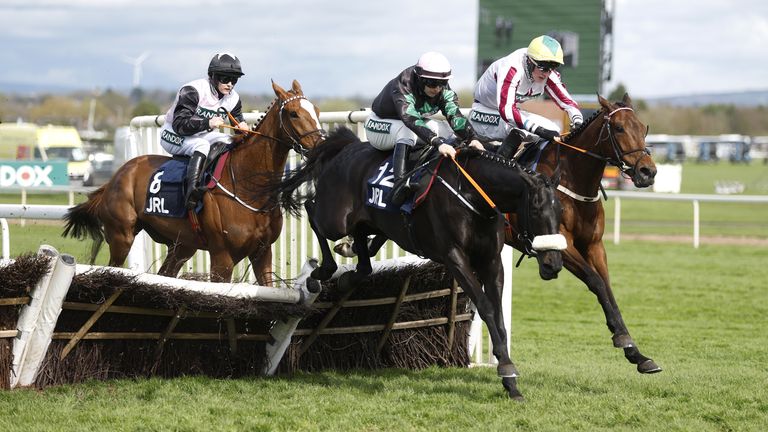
(453, 225)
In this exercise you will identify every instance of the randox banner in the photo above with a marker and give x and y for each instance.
(33, 174)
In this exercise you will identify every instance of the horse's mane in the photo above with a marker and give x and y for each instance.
(471, 152)
(575, 132)
(266, 111)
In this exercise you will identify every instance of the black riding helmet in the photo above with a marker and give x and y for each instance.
(225, 64)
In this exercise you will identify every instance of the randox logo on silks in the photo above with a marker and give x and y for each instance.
(485, 118)
(171, 137)
(208, 114)
(377, 126)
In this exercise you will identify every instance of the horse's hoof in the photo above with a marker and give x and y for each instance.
(623, 341)
(510, 385)
(313, 286)
(507, 370)
(648, 367)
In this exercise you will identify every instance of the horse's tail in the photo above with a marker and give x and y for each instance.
(287, 190)
(82, 221)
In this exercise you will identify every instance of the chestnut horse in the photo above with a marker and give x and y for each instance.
(235, 222)
(613, 135)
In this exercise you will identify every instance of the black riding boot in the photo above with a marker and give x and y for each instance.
(194, 191)
(401, 192)
(510, 144)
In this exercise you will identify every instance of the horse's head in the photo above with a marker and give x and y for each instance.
(299, 121)
(624, 135)
(539, 224)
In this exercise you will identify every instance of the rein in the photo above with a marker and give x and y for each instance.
(476, 186)
(617, 160)
(294, 137)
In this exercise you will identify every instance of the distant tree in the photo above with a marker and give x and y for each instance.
(145, 107)
(59, 110)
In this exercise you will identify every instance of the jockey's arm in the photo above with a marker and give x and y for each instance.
(185, 120)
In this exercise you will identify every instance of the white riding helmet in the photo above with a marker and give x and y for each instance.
(433, 65)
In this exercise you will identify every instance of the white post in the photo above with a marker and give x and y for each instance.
(282, 331)
(28, 317)
(6, 238)
(696, 224)
(37, 345)
(616, 220)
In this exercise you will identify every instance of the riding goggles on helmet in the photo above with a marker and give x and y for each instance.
(431, 82)
(225, 79)
(545, 66)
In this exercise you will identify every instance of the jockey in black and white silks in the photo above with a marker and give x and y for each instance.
(191, 122)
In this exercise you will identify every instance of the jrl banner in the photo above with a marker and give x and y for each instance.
(33, 173)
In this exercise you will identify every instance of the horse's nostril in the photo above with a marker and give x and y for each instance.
(648, 172)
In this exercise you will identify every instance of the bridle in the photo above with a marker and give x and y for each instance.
(619, 154)
(291, 133)
(295, 138)
(606, 133)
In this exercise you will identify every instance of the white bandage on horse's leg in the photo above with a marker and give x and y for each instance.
(549, 242)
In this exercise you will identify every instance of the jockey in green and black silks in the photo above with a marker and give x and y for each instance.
(402, 110)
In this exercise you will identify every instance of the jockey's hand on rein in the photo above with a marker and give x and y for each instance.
(476, 144)
(546, 133)
(447, 150)
(215, 122)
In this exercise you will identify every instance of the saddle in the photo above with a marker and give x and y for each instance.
(528, 155)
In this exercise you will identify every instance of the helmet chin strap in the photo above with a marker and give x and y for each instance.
(215, 86)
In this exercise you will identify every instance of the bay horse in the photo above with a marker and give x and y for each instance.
(613, 135)
(453, 225)
(236, 222)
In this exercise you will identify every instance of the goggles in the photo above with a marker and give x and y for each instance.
(433, 83)
(545, 66)
(225, 79)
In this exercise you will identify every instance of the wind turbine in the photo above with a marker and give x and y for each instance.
(136, 62)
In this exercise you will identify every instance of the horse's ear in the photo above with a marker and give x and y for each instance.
(604, 102)
(626, 100)
(296, 87)
(279, 92)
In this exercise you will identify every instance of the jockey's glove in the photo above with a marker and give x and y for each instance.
(547, 134)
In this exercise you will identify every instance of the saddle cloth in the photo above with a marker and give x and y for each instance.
(380, 185)
(165, 193)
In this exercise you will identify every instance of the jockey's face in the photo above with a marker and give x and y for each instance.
(223, 88)
(433, 87)
(225, 83)
(539, 75)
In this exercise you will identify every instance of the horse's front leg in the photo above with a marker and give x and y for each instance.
(221, 266)
(458, 266)
(491, 274)
(328, 265)
(261, 262)
(594, 273)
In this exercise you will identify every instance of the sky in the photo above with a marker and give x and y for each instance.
(352, 48)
